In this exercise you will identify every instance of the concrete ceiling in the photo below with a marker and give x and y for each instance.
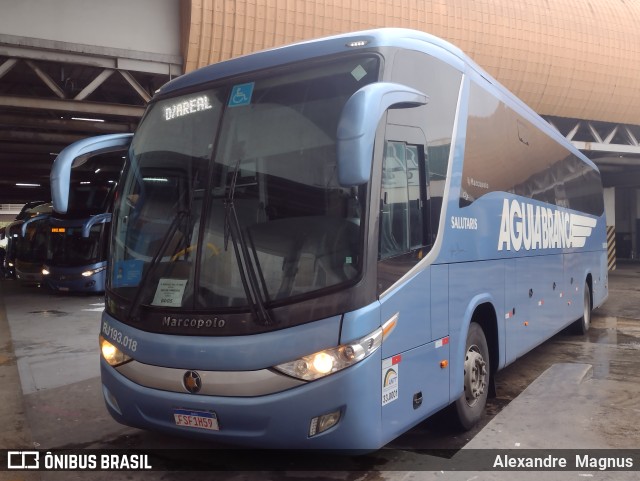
(47, 104)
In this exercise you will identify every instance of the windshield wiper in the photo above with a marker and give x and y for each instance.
(173, 227)
(250, 281)
(228, 203)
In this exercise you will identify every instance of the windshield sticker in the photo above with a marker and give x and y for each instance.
(241, 95)
(187, 107)
(358, 73)
(169, 292)
(127, 273)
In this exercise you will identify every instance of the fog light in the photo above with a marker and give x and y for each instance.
(321, 423)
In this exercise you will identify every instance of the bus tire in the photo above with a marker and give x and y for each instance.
(581, 326)
(469, 407)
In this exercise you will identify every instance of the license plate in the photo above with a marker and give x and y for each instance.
(64, 289)
(196, 419)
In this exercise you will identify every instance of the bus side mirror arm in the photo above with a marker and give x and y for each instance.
(358, 123)
(93, 220)
(23, 227)
(77, 154)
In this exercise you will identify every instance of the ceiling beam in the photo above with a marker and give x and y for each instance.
(601, 147)
(48, 81)
(66, 124)
(136, 86)
(21, 135)
(81, 107)
(7, 65)
(94, 84)
(31, 148)
(26, 160)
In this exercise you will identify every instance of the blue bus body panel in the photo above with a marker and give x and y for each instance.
(70, 279)
(224, 353)
(280, 420)
(276, 420)
(28, 271)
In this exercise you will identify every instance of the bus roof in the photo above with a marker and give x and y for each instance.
(382, 37)
(350, 42)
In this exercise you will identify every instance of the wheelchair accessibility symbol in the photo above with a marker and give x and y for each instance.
(241, 95)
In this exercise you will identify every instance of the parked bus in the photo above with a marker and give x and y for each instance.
(12, 233)
(32, 244)
(297, 229)
(80, 237)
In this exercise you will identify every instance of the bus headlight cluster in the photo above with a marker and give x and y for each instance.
(323, 363)
(45, 271)
(91, 272)
(112, 354)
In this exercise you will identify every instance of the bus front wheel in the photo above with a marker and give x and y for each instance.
(469, 407)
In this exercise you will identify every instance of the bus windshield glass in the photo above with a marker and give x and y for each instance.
(69, 248)
(33, 247)
(231, 195)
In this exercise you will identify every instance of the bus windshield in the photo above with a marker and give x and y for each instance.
(231, 193)
(69, 248)
(33, 246)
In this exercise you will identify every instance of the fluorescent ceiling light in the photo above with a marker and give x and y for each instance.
(27, 185)
(84, 119)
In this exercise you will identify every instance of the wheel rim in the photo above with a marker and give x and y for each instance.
(475, 375)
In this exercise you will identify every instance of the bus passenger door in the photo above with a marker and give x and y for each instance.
(412, 386)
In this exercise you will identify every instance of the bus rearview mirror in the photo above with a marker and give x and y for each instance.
(359, 121)
(76, 154)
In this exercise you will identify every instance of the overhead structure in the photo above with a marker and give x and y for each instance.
(72, 69)
(564, 58)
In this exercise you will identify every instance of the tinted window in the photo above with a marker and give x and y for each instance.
(441, 82)
(506, 153)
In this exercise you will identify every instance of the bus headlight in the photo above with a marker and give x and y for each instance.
(112, 354)
(91, 272)
(323, 363)
(45, 271)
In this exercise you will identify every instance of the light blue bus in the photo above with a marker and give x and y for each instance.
(30, 247)
(298, 229)
(79, 237)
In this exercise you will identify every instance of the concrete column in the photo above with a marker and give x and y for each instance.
(636, 228)
(610, 211)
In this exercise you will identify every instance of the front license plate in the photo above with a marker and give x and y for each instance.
(196, 419)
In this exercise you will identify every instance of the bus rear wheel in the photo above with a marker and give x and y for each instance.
(469, 407)
(582, 325)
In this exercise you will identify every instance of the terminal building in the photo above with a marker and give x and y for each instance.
(76, 68)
